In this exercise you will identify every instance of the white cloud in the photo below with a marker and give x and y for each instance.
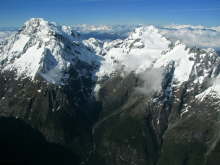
(5, 34)
(198, 36)
(152, 80)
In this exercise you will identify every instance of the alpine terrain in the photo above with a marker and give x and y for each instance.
(140, 99)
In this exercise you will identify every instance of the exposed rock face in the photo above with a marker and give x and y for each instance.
(141, 100)
(63, 114)
(50, 87)
(124, 134)
(180, 120)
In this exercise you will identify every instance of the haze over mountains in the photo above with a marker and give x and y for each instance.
(128, 95)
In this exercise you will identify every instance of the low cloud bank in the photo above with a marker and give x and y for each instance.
(152, 80)
(203, 38)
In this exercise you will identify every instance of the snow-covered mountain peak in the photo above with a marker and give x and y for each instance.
(135, 53)
(35, 23)
(95, 45)
(149, 36)
(139, 32)
(38, 27)
(44, 48)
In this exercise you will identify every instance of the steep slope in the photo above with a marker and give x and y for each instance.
(144, 124)
(44, 48)
(136, 53)
(46, 79)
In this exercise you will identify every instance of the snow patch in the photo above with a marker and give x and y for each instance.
(213, 91)
(28, 64)
(181, 58)
(136, 53)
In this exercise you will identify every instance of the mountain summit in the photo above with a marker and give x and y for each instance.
(44, 48)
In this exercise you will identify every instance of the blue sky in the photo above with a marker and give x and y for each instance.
(158, 12)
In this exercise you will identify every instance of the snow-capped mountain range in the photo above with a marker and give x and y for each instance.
(44, 48)
(47, 49)
(152, 84)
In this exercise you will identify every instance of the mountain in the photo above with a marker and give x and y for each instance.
(55, 49)
(143, 99)
(104, 32)
(154, 112)
(47, 80)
